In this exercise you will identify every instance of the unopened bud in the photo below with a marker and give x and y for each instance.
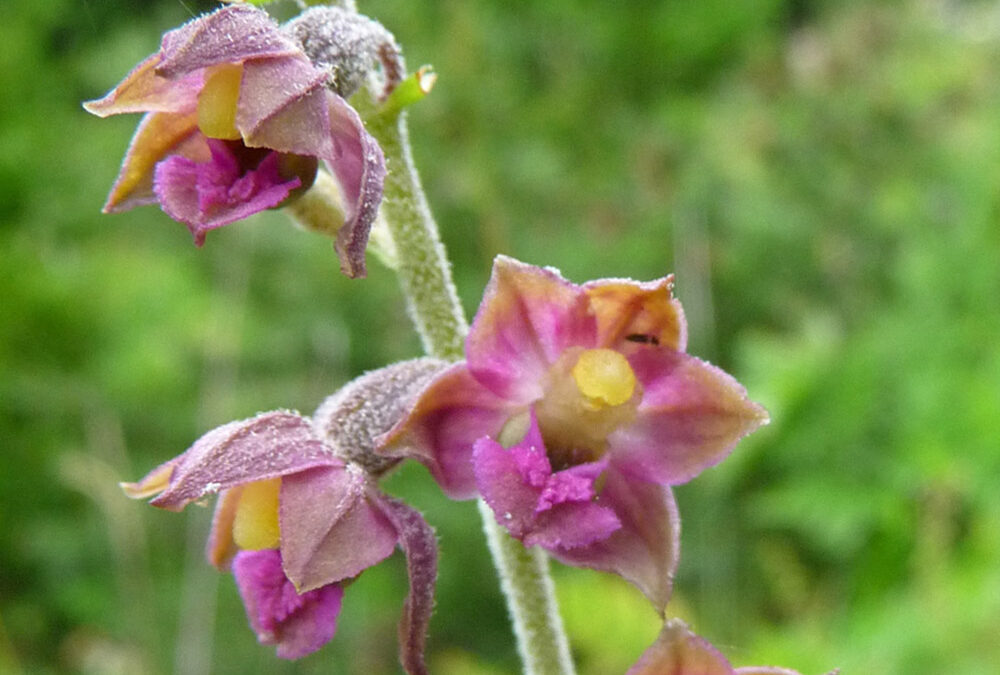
(369, 406)
(349, 45)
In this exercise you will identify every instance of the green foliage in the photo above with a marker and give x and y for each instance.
(820, 176)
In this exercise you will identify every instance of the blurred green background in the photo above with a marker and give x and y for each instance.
(822, 176)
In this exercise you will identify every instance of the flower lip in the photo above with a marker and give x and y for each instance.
(535, 503)
(296, 623)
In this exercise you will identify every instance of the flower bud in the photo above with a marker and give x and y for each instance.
(347, 44)
(370, 405)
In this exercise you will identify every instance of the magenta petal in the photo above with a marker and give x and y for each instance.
(644, 550)
(359, 166)
(691, 416)
(510, 485)
(231, 34)
(451, 413)
(572, 524)
(298, 624)
(553, 510)
(567, 514)
(678, 651)
(575, 484)
(528, 317)
(330, 528)
(266, 446)
(207, 195)
(283, 106)
(420, 547)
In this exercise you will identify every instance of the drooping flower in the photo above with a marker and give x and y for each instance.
(236, 120)
(299, 511)
(575, 410)
(678, 651)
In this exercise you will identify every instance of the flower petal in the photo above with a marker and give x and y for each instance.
(283, 106)
(505, 482)
(266, 446)
(528, 317)
(451, 413)
(420, 547)
(207, 195)
(359, 166)
(143, 90)
(231, 34)
(298, 623)
(631, 313)
(644, 551)
(339, 539)
(158, 135)
(537, 506)
(572, 524)
(220, 547)
(678, 651)
(691, 416)
(153, 483)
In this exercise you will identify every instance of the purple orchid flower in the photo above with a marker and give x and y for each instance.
(678, 651)
(299, 511)
(575, 411)
(236, 120)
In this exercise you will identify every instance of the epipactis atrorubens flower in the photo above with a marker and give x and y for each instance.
(299, 513)
(237, 118)
(678, 651)
(574, 412)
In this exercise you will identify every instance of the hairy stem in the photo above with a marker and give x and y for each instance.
(422, 266)
(525, 581)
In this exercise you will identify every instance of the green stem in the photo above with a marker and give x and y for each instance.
(425, 277)
(525, 581)
(422, 265)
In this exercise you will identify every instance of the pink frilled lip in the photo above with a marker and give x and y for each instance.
(296, 623)
(553, 509)
(285, 105)
(678, 651)
(630, 529)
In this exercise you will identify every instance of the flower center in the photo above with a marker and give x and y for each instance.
(604, 377)
(255, 526)
(217, 101)
(590, 394)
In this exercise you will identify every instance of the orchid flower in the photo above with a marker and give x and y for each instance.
(575, 411)
(299, 512)
(678, 651)
(236, 119)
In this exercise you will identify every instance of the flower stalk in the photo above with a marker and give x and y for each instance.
(433, 305)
